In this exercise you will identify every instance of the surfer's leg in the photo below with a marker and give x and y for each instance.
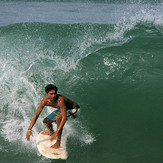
(49, 120)
(58, 142)
(59, 118)
(48, 123)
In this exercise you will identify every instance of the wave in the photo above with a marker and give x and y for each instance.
(32, 48)
(64, 45)
(72, 56)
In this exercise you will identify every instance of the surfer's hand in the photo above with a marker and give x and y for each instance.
(53, 136)
(28, 134)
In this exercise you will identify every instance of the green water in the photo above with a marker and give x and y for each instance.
(110, 65)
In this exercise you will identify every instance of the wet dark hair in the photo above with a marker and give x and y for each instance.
(50, 87)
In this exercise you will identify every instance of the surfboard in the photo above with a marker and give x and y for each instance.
(44, 147)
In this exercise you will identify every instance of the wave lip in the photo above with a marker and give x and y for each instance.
(33, 45)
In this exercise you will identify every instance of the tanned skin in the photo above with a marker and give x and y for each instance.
(57, 101)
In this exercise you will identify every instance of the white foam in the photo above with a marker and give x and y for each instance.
(76, 129)
(19, 108)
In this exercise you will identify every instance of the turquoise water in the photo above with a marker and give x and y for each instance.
(105, 56)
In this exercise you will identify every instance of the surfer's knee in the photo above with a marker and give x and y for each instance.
(59, 117)
(46, 121)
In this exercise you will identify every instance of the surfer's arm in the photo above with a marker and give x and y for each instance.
(63, 121)
(63, 113)
(34, 119)
(64, 117)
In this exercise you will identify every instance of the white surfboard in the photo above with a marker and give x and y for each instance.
(44, 146)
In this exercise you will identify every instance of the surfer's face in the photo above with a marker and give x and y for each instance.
(52, 94)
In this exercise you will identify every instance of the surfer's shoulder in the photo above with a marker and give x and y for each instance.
(60, 98)
(44, 101)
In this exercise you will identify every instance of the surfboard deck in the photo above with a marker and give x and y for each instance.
(44, 146)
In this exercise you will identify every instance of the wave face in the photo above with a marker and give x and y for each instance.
(113, 70)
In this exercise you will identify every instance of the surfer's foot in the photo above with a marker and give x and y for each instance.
(47, 133)
(56, 145)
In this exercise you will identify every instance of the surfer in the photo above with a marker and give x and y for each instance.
(66, 108)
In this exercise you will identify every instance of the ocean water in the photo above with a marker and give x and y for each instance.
(105, 55)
